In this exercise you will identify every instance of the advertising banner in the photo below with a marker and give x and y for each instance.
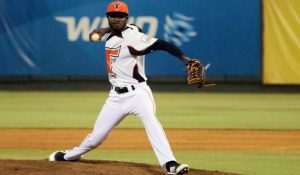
(50, 37)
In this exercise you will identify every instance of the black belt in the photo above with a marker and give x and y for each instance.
(122, 90)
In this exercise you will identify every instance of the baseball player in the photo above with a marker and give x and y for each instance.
(125, 50)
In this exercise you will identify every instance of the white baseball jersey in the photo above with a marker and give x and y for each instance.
(123, 68)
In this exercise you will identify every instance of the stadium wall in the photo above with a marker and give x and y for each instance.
(49, 38)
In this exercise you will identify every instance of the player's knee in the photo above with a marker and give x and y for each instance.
(147, 118)
(94, 145)
(95, 141)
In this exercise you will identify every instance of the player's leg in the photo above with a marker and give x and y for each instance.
(146, 112)
(110, 115)
(145, 109)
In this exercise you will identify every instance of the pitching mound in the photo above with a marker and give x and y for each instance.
(86, 167)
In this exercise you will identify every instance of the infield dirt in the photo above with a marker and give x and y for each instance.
(190, 139)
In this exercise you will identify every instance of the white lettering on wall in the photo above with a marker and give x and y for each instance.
(80, 29)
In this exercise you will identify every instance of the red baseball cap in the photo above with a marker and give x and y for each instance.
(117, 7)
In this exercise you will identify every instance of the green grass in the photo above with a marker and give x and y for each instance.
(174, 110)
(251, 163)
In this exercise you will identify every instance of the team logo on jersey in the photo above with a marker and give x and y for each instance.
(178, 28)
(111, 55)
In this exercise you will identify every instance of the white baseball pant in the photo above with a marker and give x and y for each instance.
(139, 102)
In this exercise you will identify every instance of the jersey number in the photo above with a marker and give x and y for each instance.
(111, 56)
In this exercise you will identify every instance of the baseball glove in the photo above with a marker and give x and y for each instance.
(195, 73)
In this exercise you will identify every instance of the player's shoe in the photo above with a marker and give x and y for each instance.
(175, 168)
(57, 156)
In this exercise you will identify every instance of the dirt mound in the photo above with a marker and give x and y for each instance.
(86, 167)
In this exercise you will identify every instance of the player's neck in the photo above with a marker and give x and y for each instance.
(118, 32)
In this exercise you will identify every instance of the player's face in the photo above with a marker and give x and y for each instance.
(117, 21)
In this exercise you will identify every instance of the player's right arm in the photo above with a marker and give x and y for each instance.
(101, 32)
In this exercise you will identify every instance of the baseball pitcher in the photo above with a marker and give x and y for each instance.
(125, 50)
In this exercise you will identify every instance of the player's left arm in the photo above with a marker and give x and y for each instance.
(194, 68)
(161, 45)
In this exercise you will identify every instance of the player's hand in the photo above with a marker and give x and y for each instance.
(97, 34)
(195, 73)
